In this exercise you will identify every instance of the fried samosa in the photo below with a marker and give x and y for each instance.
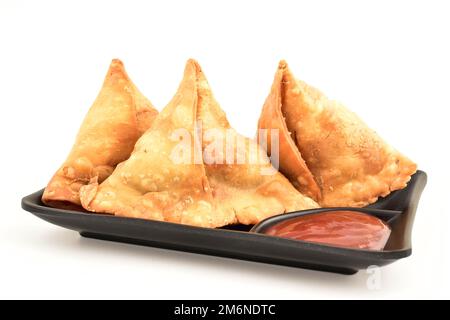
(162, 181)
(118, 117)
(350, 163)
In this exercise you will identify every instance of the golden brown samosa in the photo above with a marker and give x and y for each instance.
(156, 184)
(117, 118)
(350, 163)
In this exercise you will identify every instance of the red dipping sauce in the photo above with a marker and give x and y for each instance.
(349, 229)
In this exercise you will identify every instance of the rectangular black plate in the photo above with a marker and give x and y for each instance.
(237, 242)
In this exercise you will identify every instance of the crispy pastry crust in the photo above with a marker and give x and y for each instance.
(117, 118)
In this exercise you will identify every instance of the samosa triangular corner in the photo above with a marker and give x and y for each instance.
(145, 111)
(282, 65)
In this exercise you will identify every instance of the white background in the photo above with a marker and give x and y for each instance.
(386, 60)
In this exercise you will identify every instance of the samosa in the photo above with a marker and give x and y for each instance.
(170, 175)
(351, 165)
(118, 117)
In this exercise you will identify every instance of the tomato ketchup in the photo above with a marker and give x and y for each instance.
(349, 229)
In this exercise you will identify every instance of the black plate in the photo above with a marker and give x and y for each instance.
(236, 242)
